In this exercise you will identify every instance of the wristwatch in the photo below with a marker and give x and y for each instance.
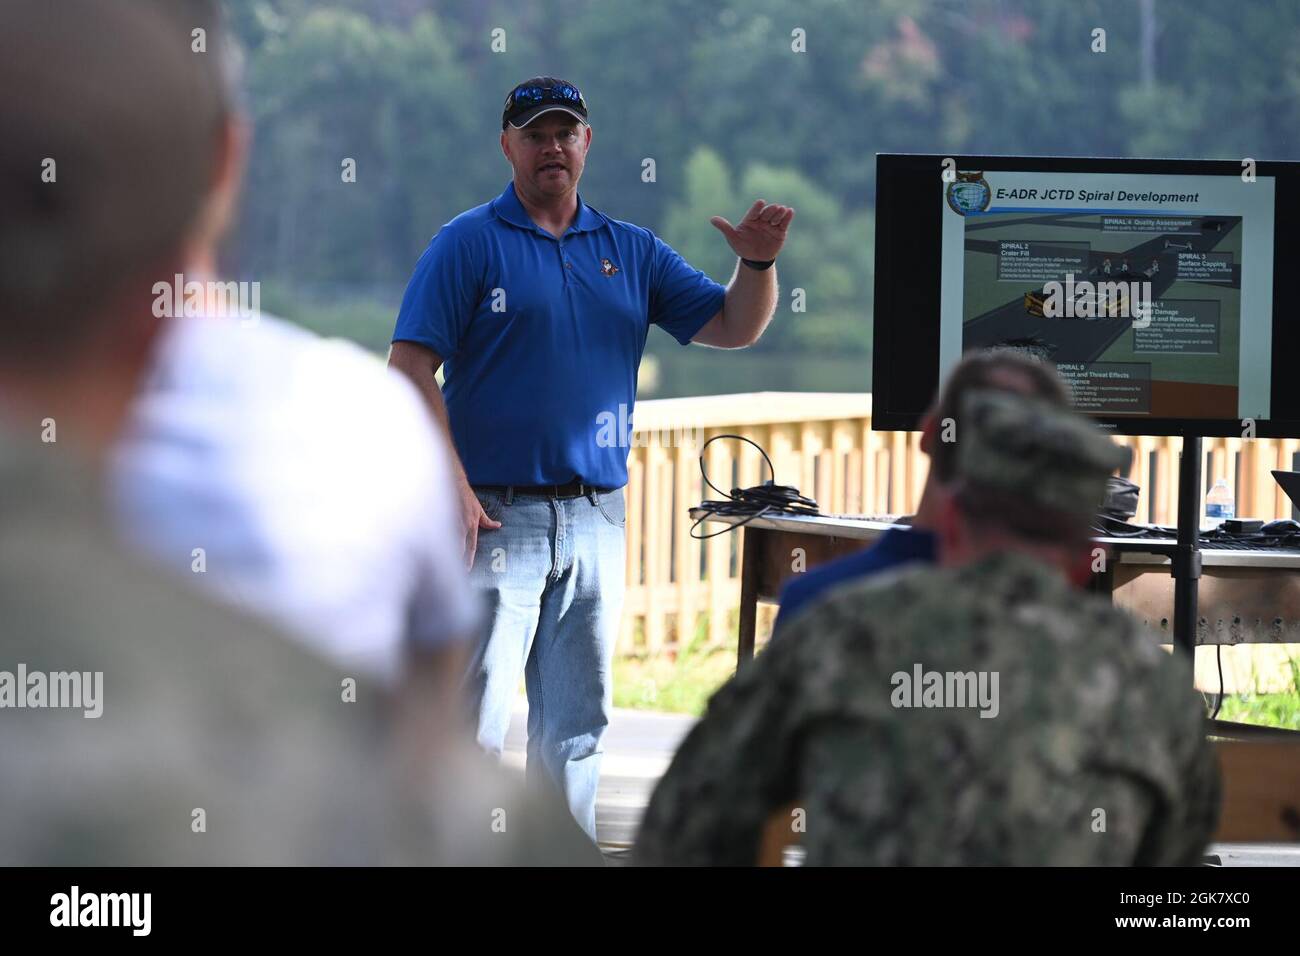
(756, 264)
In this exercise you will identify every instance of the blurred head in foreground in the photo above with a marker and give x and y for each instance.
(119, 167)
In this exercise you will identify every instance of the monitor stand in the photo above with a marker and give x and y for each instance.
(1187, 575)
(1187, 555)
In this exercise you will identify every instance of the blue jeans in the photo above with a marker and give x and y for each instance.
(552, 580)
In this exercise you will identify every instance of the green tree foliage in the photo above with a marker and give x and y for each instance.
(831, 263)
(716, 95)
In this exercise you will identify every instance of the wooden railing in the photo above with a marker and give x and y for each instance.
(823, 444)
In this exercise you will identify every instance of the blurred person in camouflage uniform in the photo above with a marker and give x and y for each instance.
(1092, 749)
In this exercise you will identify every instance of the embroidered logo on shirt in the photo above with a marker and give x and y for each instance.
(607, 268)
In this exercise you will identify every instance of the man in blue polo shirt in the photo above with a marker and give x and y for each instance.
(540, 305)
(1001, 370)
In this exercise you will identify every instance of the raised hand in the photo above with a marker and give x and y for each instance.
(761, 234)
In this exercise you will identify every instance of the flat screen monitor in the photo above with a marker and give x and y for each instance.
(1160, 289)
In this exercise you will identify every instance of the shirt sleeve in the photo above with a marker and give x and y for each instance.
(734, 770)
(1186, 824)
(1179, 764)
(441, 297)
(682, 299)
(794, 595)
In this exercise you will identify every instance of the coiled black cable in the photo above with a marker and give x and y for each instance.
(767, 498)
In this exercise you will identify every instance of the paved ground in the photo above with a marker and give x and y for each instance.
(639, 745)
(1249, 854)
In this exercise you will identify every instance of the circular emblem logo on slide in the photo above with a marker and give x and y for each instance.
(969, 193)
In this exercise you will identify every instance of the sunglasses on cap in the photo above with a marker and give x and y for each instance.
(527, 96)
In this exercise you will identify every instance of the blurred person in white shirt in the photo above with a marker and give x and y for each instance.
(292, 475)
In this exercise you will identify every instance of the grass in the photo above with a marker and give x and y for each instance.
(683, 684)
(1267, 710)
(679, 683)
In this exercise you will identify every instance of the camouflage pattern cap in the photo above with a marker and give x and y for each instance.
(1049, 456)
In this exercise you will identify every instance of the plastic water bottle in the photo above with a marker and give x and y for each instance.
(1219, 504)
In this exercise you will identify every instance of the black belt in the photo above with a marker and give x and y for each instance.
(574, 489)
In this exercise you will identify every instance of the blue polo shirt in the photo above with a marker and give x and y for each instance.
(897, 546)
(542, 337)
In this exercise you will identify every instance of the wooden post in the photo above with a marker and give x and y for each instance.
(719, 548)
(655, 545)
(686, 549)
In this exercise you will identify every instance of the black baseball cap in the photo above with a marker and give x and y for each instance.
(542, 94)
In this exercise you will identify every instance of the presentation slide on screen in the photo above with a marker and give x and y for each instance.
(1153, 295)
